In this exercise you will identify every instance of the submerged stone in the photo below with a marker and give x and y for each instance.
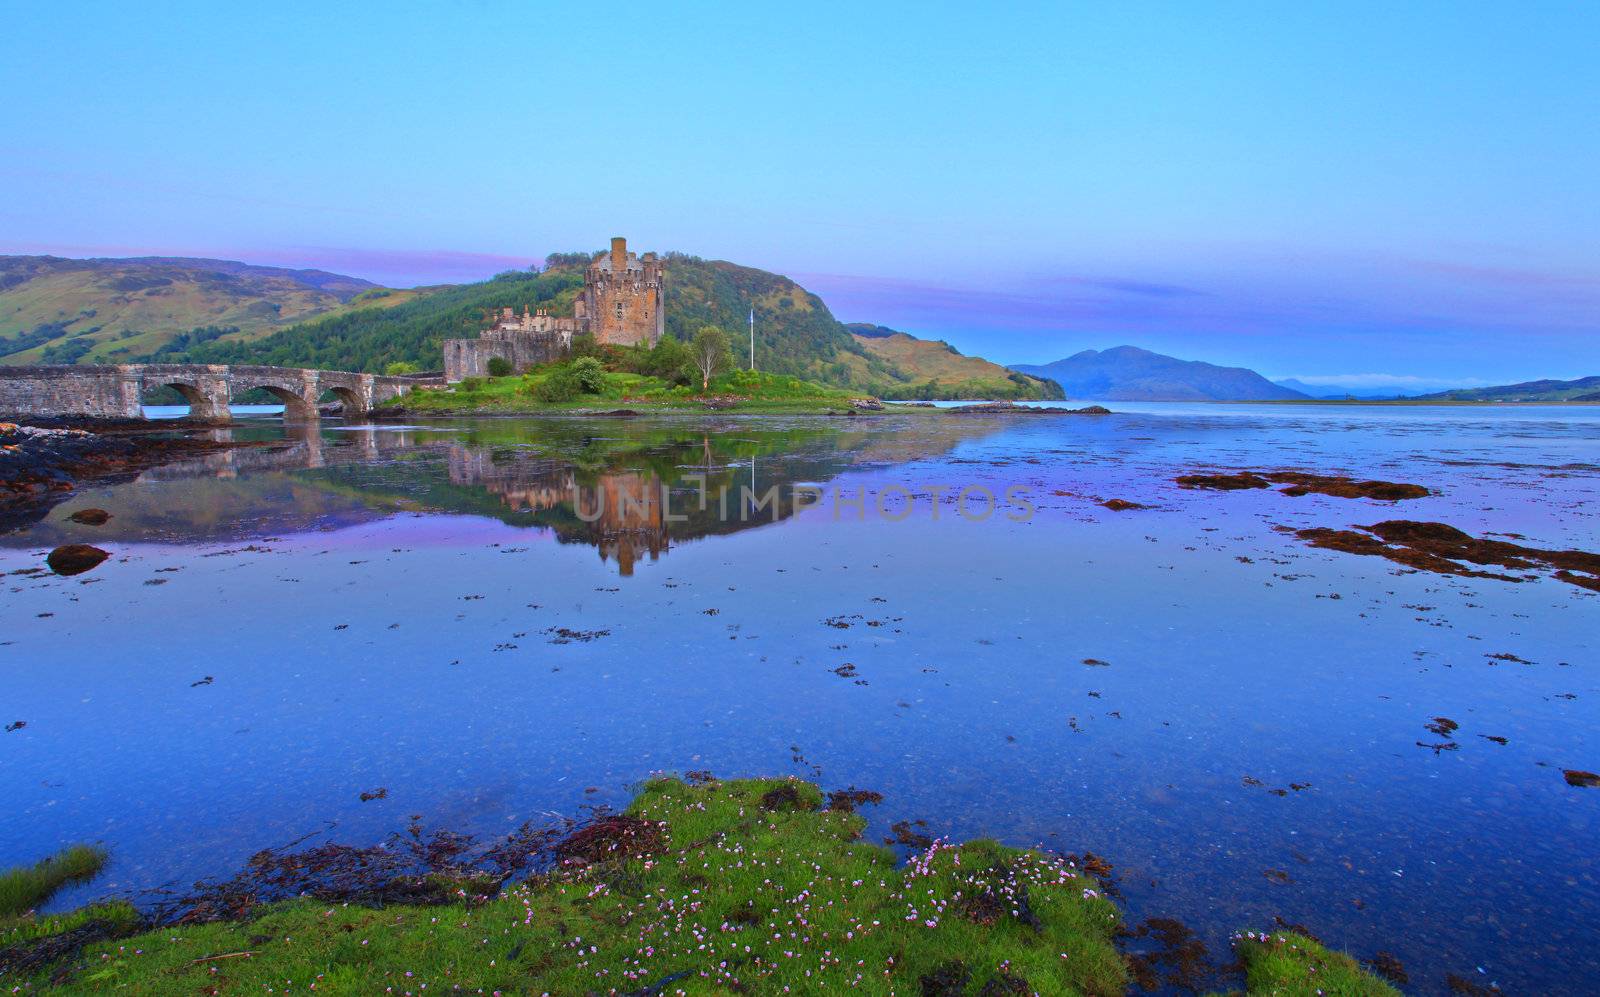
(75, 559)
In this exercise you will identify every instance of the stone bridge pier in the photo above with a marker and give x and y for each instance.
(114, 391)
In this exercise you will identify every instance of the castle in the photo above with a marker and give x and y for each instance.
(621, 303)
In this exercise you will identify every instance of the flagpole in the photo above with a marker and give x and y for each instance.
(752, 337)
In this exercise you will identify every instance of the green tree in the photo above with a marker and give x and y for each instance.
(590, 375)
(499, 367)
(668, 359)
(709, 354)
(400, 368)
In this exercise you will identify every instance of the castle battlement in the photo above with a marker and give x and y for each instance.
(622, 303)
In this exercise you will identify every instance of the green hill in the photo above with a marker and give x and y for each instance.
(55, 310)
(795, 332)
(933, 369)
(411, 331)
(1584, 389)
(212, 311)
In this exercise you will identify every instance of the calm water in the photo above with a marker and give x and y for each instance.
(426, 609)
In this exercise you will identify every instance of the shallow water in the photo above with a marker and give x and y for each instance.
(384, 607)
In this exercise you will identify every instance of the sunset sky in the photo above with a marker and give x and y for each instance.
(1403, 193)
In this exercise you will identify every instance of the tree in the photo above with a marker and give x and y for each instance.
(668, 360)
(591, 375)
(499, 367)
(400, 368)
(709, 354)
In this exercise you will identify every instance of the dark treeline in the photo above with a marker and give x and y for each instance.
(370, 339)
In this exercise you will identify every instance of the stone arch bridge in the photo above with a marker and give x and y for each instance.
(113, 391)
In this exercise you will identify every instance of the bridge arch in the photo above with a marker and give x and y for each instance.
(295, 406)
(203, 406)
(354, 405)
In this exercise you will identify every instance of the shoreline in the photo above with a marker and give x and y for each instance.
(749, 885)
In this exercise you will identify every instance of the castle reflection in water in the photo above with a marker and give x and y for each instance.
(623, 510)
(631, 490)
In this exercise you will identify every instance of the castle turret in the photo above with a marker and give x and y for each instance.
(619, 255)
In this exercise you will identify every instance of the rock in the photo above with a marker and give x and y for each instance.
(1577, 777)
(75, 559)
(91, 517)
(1122, 505)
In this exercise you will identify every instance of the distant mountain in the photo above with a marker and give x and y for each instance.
(1584, 389)
(933, 369)
(1127, 373)
(106, 310)
(1340, 392)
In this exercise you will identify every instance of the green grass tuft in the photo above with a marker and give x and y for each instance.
(1285, 963)
(26, 887)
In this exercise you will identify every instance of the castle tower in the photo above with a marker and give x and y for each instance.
(622, 301)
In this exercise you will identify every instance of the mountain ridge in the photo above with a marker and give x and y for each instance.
(1129, 373)
(1544, 390)
(235, 312)
(105, 309)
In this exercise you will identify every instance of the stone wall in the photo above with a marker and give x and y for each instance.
(470, 357)
(94, 392)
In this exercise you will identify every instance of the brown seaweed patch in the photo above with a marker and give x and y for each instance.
(1181, 961)
(1388, 966)
(1305, 483)
(1578, 777)
(1122, 505)
(1223, 482)
(1338, 486)
(784, 797)
(848, 799)
(1440, 548)
(615, 836)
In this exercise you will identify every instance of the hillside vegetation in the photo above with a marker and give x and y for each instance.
(213, 311)
(55, 310)
(795, 333)
(933, 370)
(1584, 389)
(410, 332)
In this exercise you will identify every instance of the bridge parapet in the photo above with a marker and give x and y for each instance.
(113, 391)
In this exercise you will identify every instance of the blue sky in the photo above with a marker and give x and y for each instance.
(1388, 190)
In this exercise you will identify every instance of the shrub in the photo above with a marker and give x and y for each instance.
(499, 367)
(561, 384)
(470, 384)
(590, 375)
(401, 367)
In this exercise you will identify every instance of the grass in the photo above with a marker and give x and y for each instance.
(26, 887)
(738, 391)
(750, 886)
(1292, 965)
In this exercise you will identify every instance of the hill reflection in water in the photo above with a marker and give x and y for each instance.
(630, 489)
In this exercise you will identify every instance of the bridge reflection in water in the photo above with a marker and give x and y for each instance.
(632, 493)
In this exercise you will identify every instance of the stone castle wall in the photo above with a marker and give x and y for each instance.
(470, 357)
(621, 303)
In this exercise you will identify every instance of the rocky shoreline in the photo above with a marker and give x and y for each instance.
(41, 465)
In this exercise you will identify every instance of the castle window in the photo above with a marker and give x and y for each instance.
(619, 309)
